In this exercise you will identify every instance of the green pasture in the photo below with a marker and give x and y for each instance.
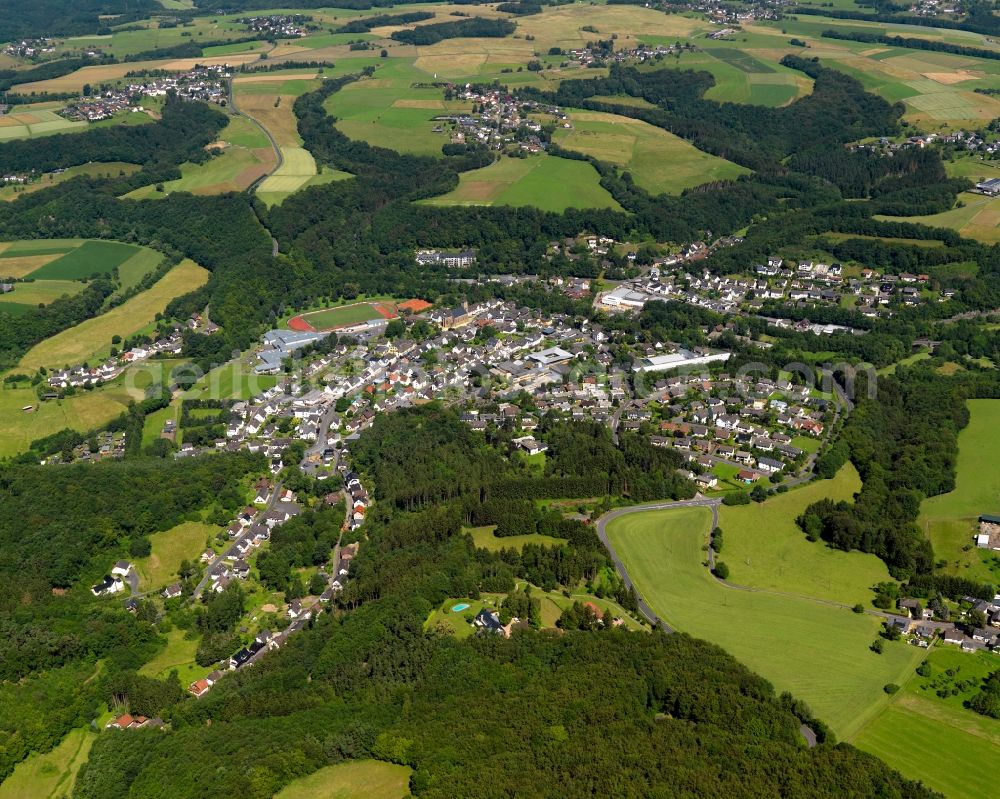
(177, 655)
(354, 779)
(817, 651)
(658, 160)
(937, 740)
(546, 182)
(232, 380)
(764, 547)
(950, 520)
(107, 169)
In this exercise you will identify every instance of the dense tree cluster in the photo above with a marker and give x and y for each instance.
(470, 28)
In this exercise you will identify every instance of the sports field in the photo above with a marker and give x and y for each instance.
(40, 122)
(546, 182)
(950, 520)
(170, 547)
(764, 547)
(342, 316)
(92, 338)
(658, 160)
(355, 779)
(817, 651)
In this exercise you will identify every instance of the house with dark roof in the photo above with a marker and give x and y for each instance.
(488, 621)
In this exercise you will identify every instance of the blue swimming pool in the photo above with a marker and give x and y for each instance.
(459, 607)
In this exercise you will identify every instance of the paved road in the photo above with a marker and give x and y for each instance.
(610, 516)
(231, 549)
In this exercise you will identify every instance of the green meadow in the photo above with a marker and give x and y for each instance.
(937, 740)
(658, 161)
(764, 547)
(544, 181)
(950, 520)
(356, 779)
(816, 650)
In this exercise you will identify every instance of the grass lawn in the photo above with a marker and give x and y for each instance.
(90, 258)
(178, 654)
(170, 547)
(356, 779)
(951, 749)
(659, 161)
(50, 775)
(950, 520)
(456, 623)
(483, 537)
(764, 547)
(92, 338)
(153, 423)
(818, 652)
(546, 182)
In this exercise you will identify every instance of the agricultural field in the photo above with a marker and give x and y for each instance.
(242, 156)
(484, 538)
(48, 269)
(816, 650)
(764, 547)
(92, 338)
(355, 779)
(269, 99)
(949, 520)
(543, 181)
(32, 123)
(935, 739)
(89, 259)
(658, 160)
(109, 73)
(50, 775)
(170, 547)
